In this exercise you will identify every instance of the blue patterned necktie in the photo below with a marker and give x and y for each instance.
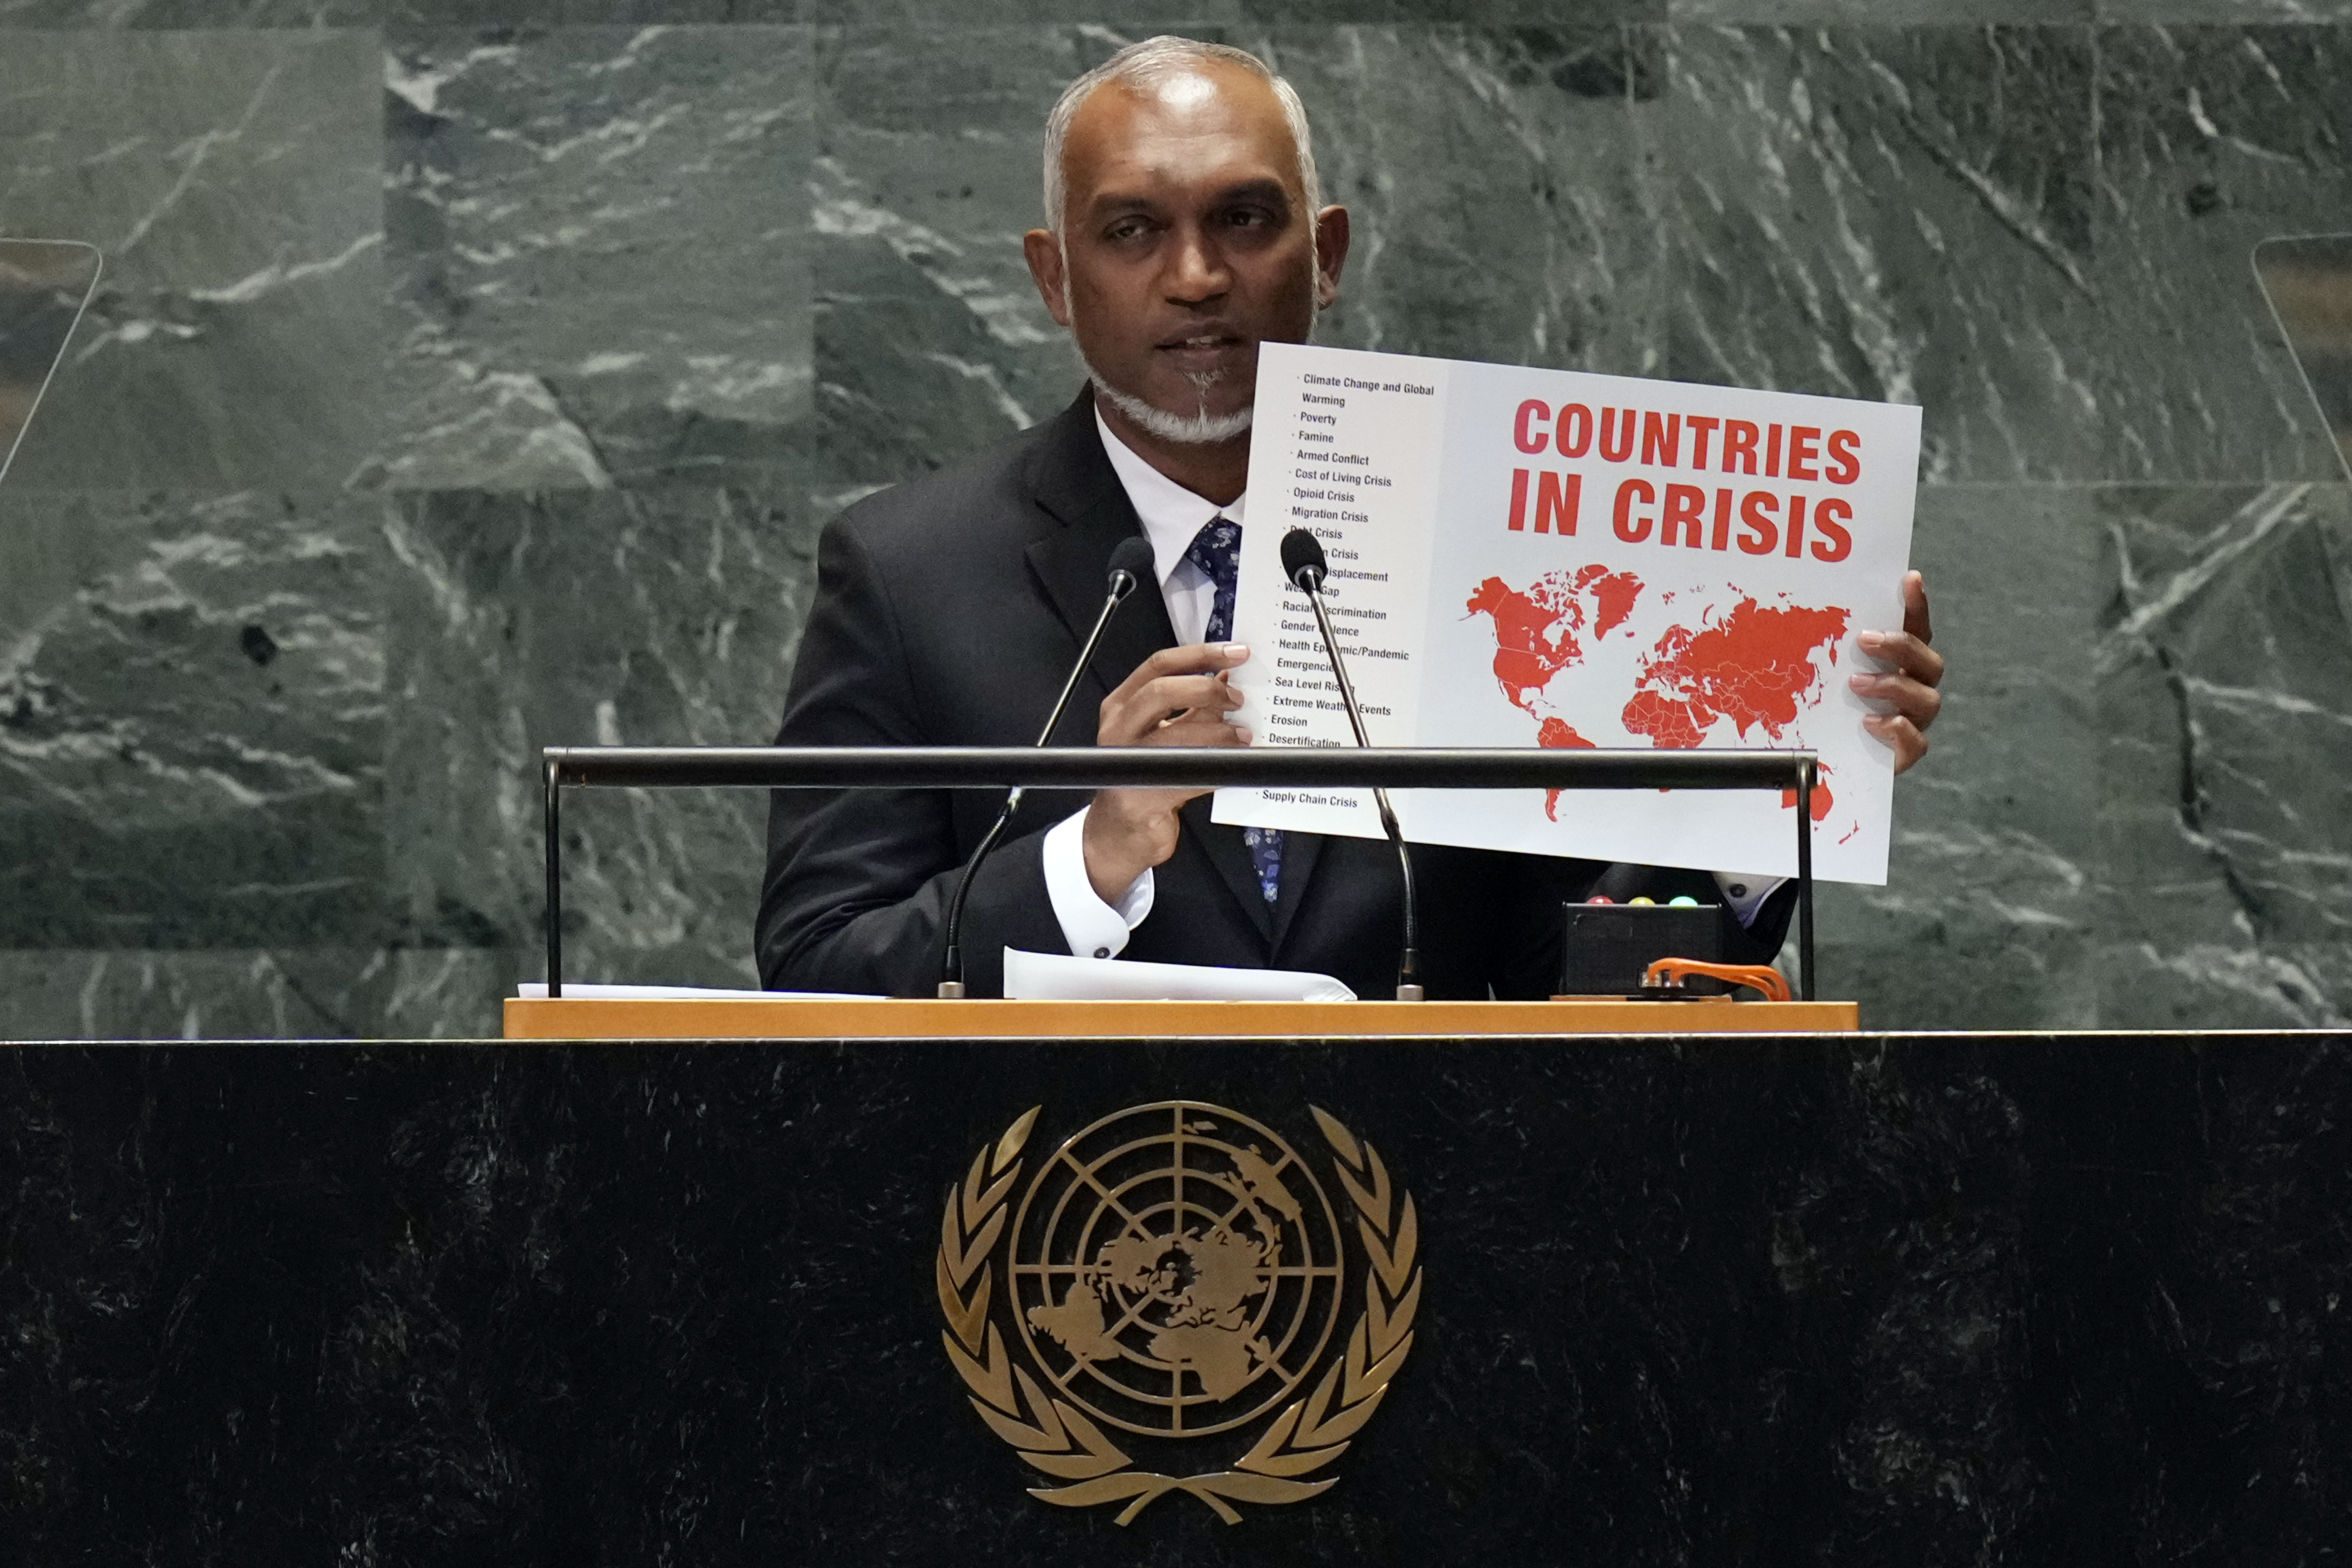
(1216, 550)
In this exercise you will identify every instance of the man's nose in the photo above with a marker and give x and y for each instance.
(1197, 270)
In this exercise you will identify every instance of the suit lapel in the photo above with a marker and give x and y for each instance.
(1072, 480)
(1223, 844)
(1071, 564)
(1300, 851)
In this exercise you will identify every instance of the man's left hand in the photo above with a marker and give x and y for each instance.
(1910, 691)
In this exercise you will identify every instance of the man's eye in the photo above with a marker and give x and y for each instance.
(1249, 217)
(1127, 229)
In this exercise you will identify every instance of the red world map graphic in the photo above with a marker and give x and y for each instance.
(1753, 666)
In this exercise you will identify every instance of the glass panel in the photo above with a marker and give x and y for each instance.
(2309, 282)
(43, 284)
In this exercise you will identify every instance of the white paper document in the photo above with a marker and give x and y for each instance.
(1058, 977)
(536, 991)
(1544, 558)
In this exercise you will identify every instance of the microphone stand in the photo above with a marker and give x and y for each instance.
(1309, 580)
(1122, 584)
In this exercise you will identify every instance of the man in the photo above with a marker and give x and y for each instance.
(1185, 227)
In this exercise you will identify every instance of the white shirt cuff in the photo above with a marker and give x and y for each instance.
(1744, 893)
(1092, 928)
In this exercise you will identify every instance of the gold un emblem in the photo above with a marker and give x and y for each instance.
(1176, 1272)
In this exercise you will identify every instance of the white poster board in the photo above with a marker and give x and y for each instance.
(1537, 557)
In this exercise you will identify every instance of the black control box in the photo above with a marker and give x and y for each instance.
(1611, 946)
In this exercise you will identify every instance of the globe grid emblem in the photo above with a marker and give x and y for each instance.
(1176, 1269)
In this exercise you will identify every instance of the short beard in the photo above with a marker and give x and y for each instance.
(1201, 429)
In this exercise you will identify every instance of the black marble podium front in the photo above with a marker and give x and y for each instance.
(1899, 1299)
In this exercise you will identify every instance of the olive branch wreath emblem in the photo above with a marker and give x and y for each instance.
(1058, 1439)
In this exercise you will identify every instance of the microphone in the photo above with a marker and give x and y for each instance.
(1130, 563)
(1303, 564)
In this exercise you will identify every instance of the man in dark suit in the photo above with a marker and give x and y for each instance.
(1186, 229)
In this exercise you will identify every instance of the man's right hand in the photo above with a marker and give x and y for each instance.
(1178, 696)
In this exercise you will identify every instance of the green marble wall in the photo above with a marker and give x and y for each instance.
(473, 378)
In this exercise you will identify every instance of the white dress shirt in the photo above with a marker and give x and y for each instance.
(1171, 517)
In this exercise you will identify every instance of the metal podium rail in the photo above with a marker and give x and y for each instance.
(1123, 767)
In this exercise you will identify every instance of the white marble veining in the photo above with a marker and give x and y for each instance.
(614, 308)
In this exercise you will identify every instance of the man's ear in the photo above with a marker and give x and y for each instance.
(1044, 255)
(1330, 253)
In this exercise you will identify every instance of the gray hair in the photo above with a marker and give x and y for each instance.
(1155, 61)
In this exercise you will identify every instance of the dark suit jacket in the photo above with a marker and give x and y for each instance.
(948, 611)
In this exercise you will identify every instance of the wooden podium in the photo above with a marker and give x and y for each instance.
(789, 1018)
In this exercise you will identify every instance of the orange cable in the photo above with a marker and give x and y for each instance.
(1763, 977)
